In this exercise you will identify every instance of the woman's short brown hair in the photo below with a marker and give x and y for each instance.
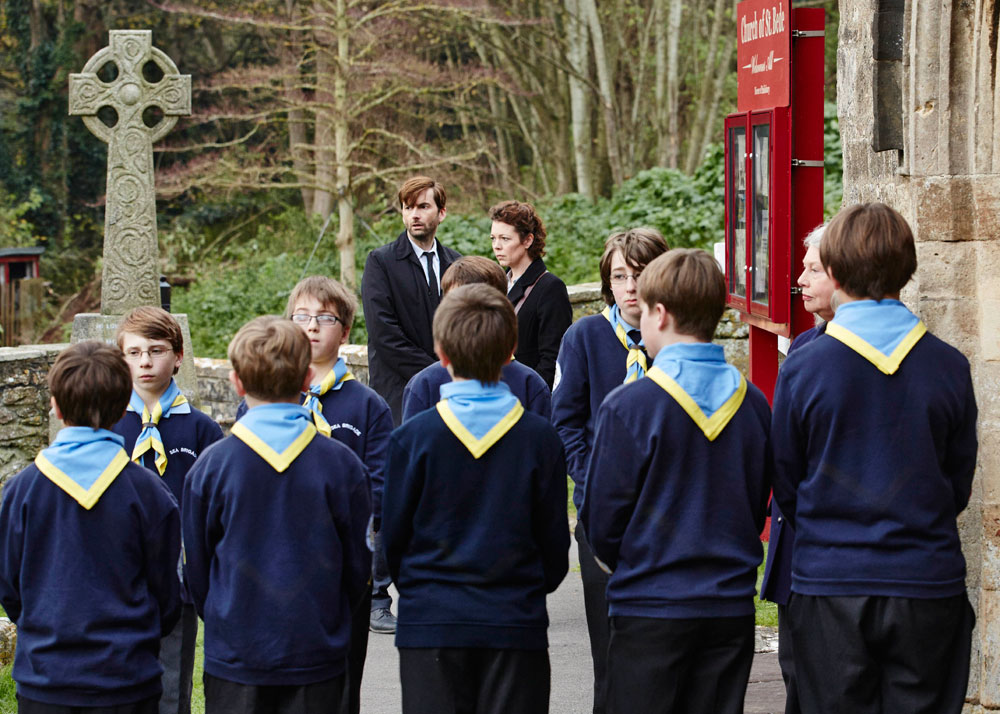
(271, 357)
(689, 284)
(91, 383)
(639, 246)
(524, 220)
(411, 189)
(329, 293)
(474, 269)
(475, 326)
(868, 248)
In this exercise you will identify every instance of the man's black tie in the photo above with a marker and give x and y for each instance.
(432, 282)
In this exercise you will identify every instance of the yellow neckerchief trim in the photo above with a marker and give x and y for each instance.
(148, 443)
(85, 497)
(279, 462)
(635, 355)
(478, 447)
(711, 426)
(888, 364)
(328, 383)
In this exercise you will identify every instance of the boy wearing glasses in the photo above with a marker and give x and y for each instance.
(353, 414)
(597, 354)
(164, 433)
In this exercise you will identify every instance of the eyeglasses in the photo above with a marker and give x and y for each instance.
(134, 354)
(324, 320)
(622, 278)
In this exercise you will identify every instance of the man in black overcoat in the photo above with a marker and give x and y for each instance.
(400, 290)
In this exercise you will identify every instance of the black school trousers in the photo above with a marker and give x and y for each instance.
(474, 680)
(357, 654)
(595, 604)
(225, 697)
(881, 655)
(681, 666)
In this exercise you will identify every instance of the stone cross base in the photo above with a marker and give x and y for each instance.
(91, 326)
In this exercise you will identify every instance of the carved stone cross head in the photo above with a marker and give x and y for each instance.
(146, 79)
(144, 95)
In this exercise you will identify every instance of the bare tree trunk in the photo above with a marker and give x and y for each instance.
(578, 55)
(673, 84)
(345, 236)
(589, 8)
(298, 138)
(714, 66)
(324, 148)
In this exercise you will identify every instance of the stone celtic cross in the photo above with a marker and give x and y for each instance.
(147, 79)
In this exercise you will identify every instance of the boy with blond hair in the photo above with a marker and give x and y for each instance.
(275, 526)
(674, 503)
(89, 545)
(475, 526)
(164, 433)
(423, 390)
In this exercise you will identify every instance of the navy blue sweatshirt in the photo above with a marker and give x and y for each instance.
(275, 561)
(472, 544)
(184, 436)
(423, 390)
(777, 583)
(677, 517)
(872, 469)
(591, 364)
(91, 591)
(361, 420)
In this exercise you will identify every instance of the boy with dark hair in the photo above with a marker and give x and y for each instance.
(674, 503)
(275, 524)
(874, 462)
(164, 433)
(423, 390)
(599, 353)
(89, 545)
(475, 526)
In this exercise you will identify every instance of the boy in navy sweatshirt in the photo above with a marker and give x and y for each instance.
(89, 545)
(275, 527)
(875, 452)
(164, 433)
(475, 526)
(674, 503)
(355, 415)
(599, 353)
(424, 389)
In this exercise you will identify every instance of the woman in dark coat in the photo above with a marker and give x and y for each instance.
(539, 297)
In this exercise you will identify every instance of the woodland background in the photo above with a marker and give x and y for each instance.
(307, 115)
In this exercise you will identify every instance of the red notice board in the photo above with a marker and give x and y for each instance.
(763, 55)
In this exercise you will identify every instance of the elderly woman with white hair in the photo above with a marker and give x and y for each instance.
(817, 292)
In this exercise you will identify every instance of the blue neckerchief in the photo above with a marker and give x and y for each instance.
(170, 402)
(635, 363)
(83, 462)
(333, 380)
(883, 324)
(701, 371)
(276, 432)
(478, 414)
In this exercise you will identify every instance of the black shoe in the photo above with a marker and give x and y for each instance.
(383, 621)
